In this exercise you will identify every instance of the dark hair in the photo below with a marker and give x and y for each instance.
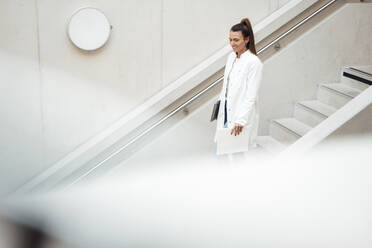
(246, 28)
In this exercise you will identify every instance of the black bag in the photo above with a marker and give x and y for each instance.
(216, 107)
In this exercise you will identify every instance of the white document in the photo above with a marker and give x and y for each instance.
(227, 143)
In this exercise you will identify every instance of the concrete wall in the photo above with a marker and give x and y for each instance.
(344, 38)
(54, 97)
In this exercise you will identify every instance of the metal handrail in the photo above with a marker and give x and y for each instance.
(170, 114)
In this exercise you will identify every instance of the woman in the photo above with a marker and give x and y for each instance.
(238, 107)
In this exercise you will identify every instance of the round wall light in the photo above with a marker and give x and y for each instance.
(89, 29)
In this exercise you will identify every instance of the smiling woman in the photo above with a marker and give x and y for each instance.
(242, 38)
(239, 95)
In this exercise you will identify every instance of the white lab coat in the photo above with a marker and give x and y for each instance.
(242, 94)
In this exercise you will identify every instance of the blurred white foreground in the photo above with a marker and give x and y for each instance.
(322, 199)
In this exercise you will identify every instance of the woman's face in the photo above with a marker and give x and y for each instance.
(237, 41)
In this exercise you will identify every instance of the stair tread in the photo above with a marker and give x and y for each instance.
(270, 144)
(294, 125)
(318, 106)
(363, 68)
(343, 88)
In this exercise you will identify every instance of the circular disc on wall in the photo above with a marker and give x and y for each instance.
(89, 29)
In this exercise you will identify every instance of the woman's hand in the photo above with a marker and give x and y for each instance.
(237, 129)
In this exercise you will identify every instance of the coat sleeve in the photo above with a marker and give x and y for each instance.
(245, 107)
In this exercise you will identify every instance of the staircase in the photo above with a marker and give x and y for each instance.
(308, 114)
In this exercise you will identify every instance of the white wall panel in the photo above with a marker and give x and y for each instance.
(21, 140)
(83, 92)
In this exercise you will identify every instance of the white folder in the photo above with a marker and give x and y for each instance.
(227, 143)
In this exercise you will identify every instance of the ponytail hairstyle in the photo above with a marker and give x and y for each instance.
(246, 28)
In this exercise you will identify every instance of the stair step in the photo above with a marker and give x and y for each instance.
(354, 83)
(294, 125)
(336, 94)
(319, 107)
(288, 130)
(270, 144)
(359, 77)
(312, 112)
(365, 69)
(343, 89)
